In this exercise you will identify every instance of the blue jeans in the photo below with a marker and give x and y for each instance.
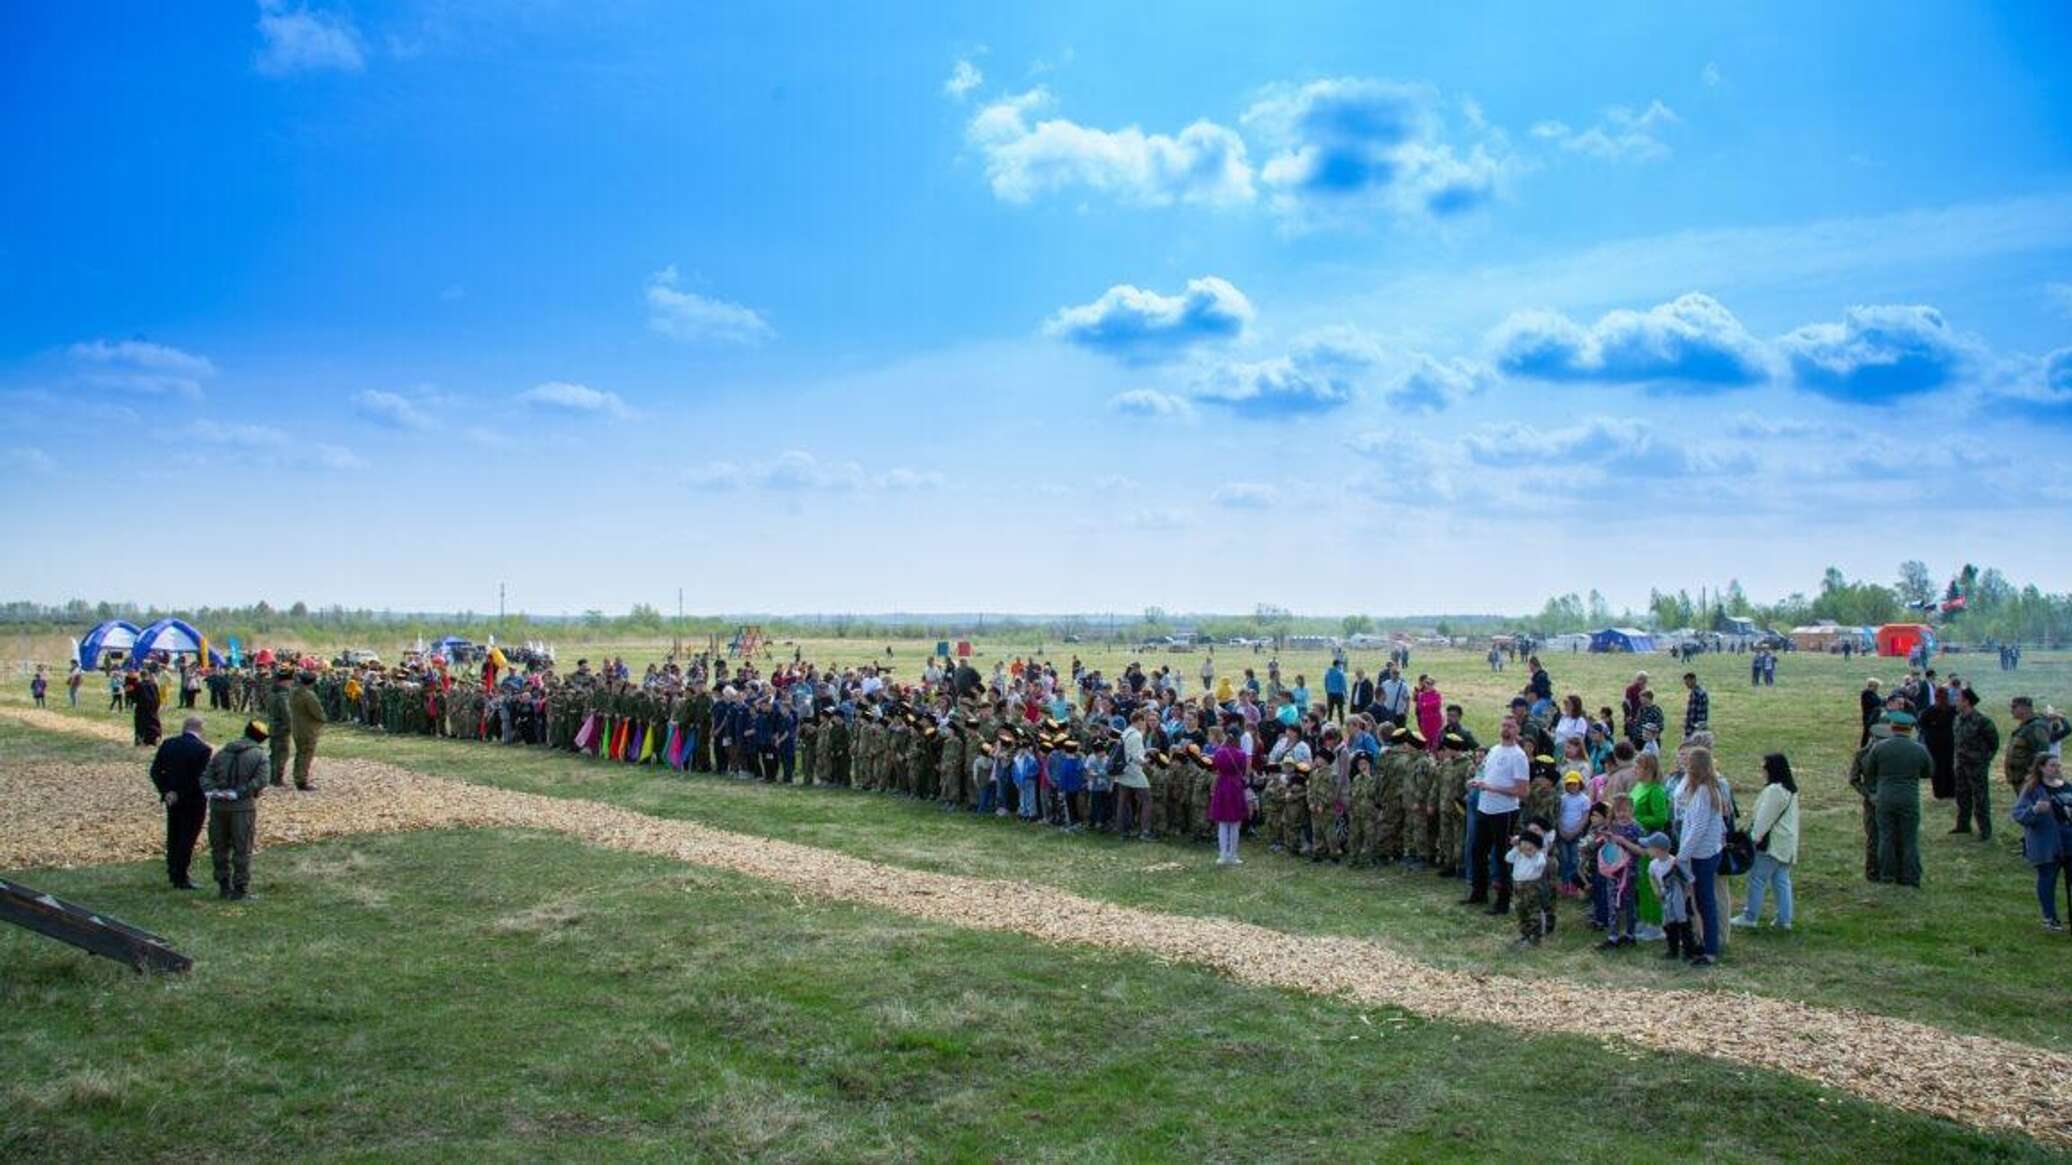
(1570, 858)
(1769, 873)
(2047, 885)
(1028, 800)
(1705, 881)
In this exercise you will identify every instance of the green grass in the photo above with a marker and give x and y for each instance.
(1964, 953)
(511, 996)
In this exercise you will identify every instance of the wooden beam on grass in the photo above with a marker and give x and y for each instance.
(110, 938)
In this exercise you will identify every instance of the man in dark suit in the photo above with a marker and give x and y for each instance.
(176, 772)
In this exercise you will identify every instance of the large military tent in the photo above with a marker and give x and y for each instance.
(1627, 639)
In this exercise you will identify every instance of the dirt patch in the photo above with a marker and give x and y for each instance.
(89, 814)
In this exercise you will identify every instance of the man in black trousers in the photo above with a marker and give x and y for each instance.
(176, 772)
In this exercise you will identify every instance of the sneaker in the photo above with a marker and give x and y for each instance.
(1610, 944)
(1738, 920)
(2053, 925)
(1237, 861)
(1702, 960)
(1780, 926)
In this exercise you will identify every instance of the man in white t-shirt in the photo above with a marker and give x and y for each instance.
(1502, 782)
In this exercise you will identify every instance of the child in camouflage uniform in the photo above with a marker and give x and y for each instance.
(1532, 895)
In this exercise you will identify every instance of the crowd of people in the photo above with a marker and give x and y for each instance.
(1566, 804)
(1930, 730)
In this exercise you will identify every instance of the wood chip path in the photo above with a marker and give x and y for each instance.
(73, 814)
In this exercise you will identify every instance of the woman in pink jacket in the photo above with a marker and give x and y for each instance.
(1431, 714)
(1227, 807)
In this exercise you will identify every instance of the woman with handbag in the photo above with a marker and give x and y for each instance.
(1776, 834)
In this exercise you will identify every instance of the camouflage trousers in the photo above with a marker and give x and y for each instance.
(1391, 816)
(1444, 831)
(1533, 903)
(1363, 823)
(1326, 834)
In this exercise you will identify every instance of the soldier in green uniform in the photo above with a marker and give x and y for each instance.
(1326, 803)
(232, 783)
(280, 720)
(1975, 739)
(1895, 769)
(1860, 780)
(306, 717)
(1444, 804)
(1395, 779)
(838, 737)
(1363, 813)
(1294, 805)
(951, 769)
(2032, 737)
(809, 748)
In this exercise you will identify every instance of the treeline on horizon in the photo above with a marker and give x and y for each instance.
(1993, 609)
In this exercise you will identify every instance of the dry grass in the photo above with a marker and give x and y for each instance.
(77, 815)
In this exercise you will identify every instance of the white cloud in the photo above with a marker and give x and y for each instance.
(338, 457)
(1601, 447)
(1150, 402)
(1433, 385)
(1879, 352)
(141, 367)
(563, 396)
(1350, 148)
(1246, 495)
(302, 39)
(1692, 342)
(265, 446)
(391, 409)
(2060, 294)
(902, 478)
(1116, 483)
(797, 471)
(1620, 136)
(1134, 323)
(1324, 370)
(1158, 519)
(964, 77)
(1026, 156)
(27, 460)
(1710, 74)
(686, 315)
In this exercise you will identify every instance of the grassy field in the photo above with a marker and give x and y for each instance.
(510, 996)
(733, 1022)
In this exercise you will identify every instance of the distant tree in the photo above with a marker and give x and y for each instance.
(1600, 610)
(1355, 625)
(1916, 585)
(1737, 599)
(593, 618)
(299, 611)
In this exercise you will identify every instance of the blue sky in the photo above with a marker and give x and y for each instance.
(866, 307)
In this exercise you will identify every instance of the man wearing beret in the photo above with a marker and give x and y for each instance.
(1895, 768)
(306, 714)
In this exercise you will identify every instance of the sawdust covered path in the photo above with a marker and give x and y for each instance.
(69, 814)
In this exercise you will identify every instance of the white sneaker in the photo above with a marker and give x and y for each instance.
(1737, 920)
(1236, 860)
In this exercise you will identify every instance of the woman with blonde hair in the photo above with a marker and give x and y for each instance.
(1706, 805)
